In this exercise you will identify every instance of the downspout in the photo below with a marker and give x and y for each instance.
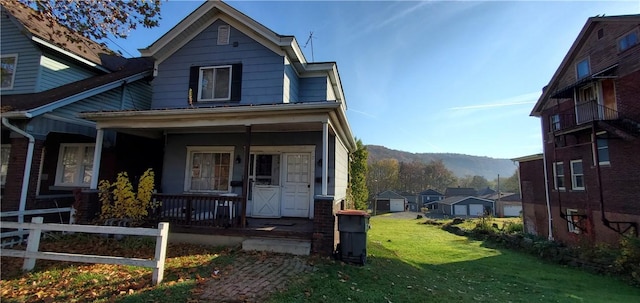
(546, 185)
(27, 167)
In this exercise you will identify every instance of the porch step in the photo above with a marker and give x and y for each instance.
(286, 246)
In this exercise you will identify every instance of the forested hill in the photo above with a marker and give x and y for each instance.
(460, 165)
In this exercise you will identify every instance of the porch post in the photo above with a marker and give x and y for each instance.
(97, 154)
(325, 156)
(245, 178)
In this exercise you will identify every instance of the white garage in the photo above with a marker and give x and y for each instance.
(476, 210)
(460, 210)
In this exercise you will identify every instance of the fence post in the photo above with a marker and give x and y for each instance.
(33, 243)
(161, 253)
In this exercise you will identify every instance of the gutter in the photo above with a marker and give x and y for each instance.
(27, 167)
(546, 186)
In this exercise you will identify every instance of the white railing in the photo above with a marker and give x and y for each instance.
(9, 239)
(36, 227)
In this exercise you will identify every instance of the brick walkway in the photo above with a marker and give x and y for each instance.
(254, 276)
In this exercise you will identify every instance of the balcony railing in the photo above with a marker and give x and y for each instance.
(583, 113)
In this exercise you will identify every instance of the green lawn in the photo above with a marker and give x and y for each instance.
(413, 262)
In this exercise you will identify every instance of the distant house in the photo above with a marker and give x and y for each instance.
(412, 202)
(459, 191)
(389, 201)
(486, 192)
(466, 206)
(584, 188)
(429, 198)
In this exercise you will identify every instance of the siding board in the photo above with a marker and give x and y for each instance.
(14, 42)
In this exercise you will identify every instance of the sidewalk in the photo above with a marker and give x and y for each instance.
(253, 277)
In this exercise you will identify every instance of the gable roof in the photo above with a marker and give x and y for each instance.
(459, 191)
(54, 36)
(430, 192)
(33, 104)
(587, 29)
(458, 199)
(389, 194)
(486, 192)
(210, 11)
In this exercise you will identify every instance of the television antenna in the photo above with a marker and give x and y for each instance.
(310, 41)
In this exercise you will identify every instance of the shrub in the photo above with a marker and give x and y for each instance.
(121, 202)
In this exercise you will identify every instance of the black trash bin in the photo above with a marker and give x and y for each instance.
(353, 226)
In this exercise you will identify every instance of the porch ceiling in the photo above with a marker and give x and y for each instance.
(262, 118)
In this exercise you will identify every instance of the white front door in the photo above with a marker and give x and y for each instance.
(296, 191)
(265, 190)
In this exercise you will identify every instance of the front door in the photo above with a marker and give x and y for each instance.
(265, 180)
(296, 191)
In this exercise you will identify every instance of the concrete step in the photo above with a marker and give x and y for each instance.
(286, 246)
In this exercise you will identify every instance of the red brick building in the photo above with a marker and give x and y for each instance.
(588, 178)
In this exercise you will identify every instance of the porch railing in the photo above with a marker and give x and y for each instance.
(199, 209)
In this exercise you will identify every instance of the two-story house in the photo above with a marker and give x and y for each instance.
(47, 150)
(590, 120)
(241, 112)
(429, 198)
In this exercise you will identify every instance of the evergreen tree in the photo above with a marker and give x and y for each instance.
(358, 190)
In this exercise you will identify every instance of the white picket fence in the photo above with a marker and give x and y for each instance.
(11, 238)
(36, 227)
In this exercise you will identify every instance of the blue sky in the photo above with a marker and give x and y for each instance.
(428, 76)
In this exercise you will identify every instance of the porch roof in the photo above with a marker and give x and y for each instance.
(273, 117)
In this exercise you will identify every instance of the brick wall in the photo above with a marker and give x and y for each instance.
(325, 225)
(15, 173)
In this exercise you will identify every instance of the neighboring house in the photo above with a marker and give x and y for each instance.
(240, 111)
(590, 117)
(460, 206)
(459, 191)
(486, 192)
(535, 213)
(429, 198)
(47, 151)
(507, 204)
(412, 202)
(389, 201)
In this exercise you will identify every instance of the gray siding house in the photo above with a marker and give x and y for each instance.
(466, 206)
(242, 113)
(47, 150)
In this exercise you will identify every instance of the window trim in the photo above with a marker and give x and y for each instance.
(207, 149)
(623, 37)
(571, 224)
(15, 68)
(59, 168)
(588, 68)
(555, 176)
(3, 146)
(214, 67)
(573, 175)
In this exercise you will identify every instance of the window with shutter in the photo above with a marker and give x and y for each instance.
(215, 83)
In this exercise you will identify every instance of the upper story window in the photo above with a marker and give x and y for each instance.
(577, 175)
(215, 83)
(209, 169)
(558, 172)
(602, 144)
(628, 40)
(75, 164)
(583, 69)
(8, 64)
(555, 122)
(4, 162)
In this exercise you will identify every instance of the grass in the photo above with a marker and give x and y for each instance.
(412, 262)
(407, 262)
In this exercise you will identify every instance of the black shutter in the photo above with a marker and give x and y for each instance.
(192, 94)
(236, 82)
